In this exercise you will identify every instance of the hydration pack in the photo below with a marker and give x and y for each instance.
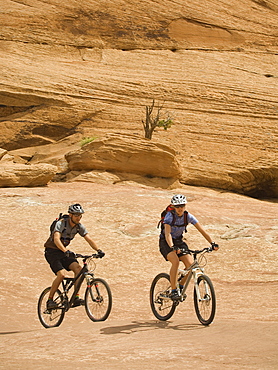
(61, 216)
(171, 209)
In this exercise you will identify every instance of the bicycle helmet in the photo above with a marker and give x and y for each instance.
(76, 208)
(178, 200)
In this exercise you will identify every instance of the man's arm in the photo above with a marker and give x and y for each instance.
(57, 241)
(91, 242)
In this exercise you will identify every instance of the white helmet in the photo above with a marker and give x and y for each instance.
(178, 200)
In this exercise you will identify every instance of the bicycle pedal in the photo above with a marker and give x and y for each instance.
(75, 305)
(78, 302)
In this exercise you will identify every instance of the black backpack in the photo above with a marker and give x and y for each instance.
(61, 216)
(171, 209)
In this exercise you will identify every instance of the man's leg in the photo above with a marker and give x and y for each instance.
(76, 268)
(57, 281)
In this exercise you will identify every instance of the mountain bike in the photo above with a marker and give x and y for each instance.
(98, 297)
(163, 307)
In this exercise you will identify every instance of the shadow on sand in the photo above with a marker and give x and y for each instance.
(16, 332)
(136, 326)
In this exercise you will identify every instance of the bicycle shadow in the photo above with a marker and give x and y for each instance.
(16, 332)
(136, 326)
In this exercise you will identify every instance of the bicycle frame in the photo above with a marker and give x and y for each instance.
(97, 297)
(67, 284)
(193, 271)
(164, 306)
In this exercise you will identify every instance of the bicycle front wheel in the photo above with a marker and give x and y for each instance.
(204, 300)
(98, 300)
(161, 304)
(53, 317)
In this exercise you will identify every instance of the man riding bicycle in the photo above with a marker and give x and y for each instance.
(59, 258)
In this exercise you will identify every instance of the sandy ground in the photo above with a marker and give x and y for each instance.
(122, 220)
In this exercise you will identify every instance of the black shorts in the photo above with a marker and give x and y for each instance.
(57, 260)
(165, 249)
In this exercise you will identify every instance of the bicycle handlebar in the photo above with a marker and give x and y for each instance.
(207, 249)
(85, 257)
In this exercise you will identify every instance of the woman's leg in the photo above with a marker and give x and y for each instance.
(187, 260)
(174, 259)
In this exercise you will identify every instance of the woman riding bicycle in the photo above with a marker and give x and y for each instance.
(171, 243)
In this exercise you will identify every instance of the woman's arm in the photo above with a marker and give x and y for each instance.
(168, 235)
(200, 228)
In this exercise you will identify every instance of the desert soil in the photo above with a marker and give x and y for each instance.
(122, 220)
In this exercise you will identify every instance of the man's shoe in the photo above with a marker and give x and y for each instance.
(50, 304)
(175, 295)
(78, 302)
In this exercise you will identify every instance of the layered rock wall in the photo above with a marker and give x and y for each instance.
(91, 67)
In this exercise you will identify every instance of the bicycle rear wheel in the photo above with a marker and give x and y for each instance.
(98, 300)
(206, 305)
(53, 317)
(161, 304)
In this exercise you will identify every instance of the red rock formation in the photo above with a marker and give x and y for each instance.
(91, 68)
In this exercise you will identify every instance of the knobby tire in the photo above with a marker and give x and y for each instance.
(162, 306)
(98, 300)
(54, 317)
(205, 309)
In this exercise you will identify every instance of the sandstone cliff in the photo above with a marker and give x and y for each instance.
(90, 67)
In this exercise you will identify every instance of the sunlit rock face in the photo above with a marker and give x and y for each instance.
(125, 153)
(15, 174)
(90, 68)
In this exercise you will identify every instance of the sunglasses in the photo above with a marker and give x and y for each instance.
(77, 214)
(180, 206)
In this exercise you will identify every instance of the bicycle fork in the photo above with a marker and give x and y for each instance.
(90, 283)
(196, 273)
